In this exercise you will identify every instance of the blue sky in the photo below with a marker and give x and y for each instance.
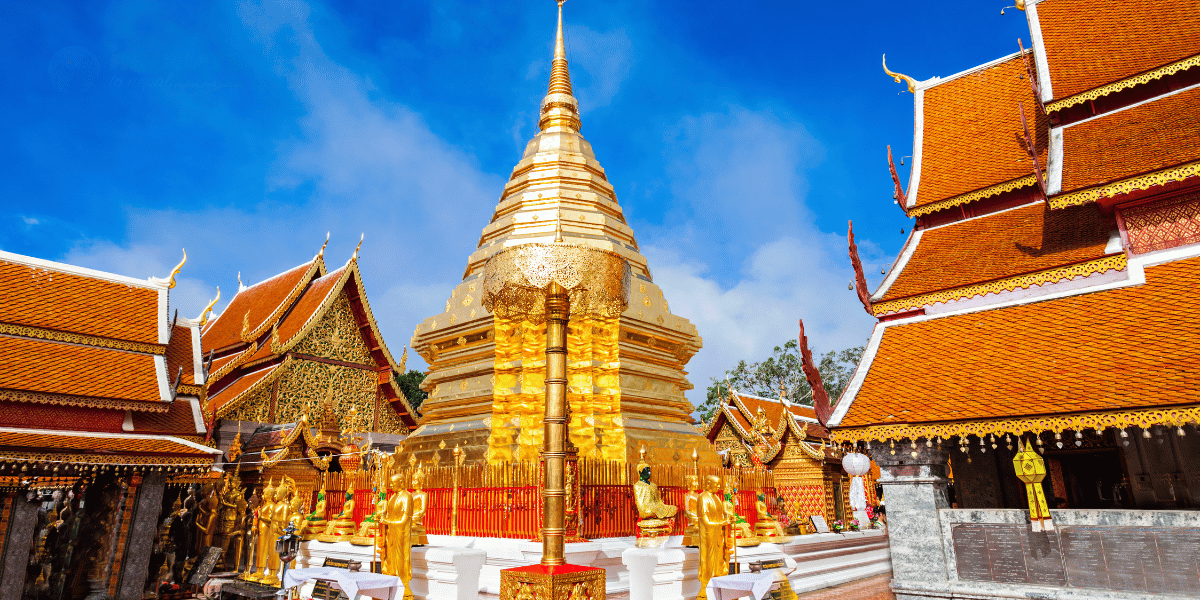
(740, 138)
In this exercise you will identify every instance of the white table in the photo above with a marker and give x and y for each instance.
(755, 585)
(383, 587)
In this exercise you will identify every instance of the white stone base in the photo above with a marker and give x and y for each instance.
(464, 568)
(443, 572)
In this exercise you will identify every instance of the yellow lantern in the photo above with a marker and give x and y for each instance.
(1031, 469)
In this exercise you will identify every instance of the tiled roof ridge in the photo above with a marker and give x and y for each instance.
(936, 81)
(52, 266)
(316, 267)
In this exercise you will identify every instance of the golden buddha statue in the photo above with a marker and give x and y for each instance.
(713, 520)
(231, 527)
(342, 526)
(397, 535)
(370, 525)
(691, 535)
(279, 521)
(420, 500)
(315, 522)
(739, 529)
(262, 545)
(767, 528)
(655, 516)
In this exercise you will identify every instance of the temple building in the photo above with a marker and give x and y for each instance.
(1029, 390)
(626, 374)
(101, 389)
(301, 353)
(787, 439)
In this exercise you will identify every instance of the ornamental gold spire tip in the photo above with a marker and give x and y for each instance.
(175, 271)
(208, 309)
(912, 84)
(559, 108)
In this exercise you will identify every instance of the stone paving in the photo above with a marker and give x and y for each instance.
(873, 588)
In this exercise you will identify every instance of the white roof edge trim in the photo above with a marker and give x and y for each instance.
(164, 379)
(860, 375)
(984, 216)
(115, 436)
(936, 81)
(1134, 105)
(914, 173)
(910, 248)
(1054, 162)
(1045, 85)
(197, 356)
(50, 265)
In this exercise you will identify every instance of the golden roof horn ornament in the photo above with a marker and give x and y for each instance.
(912, 84)
(1019, 5)
(208, 309)
(178, 267)
(322, 252)
(246, 327)
(404, 361)
(241, 286)
(356, 248)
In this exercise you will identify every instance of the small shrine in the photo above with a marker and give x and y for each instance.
(788, 440)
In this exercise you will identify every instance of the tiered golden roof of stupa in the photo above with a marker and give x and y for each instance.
(626, 374)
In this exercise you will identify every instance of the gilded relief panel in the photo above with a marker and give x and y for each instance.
(389, 421)
(593, 389)
(306, 384)
(256, 408)
(336, 336)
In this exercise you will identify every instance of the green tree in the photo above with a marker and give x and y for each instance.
(783, 369)
(410, 384)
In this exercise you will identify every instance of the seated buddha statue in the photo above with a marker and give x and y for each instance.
(315, 522)
(342, 526)
(739, 530)
(767, 527)
(691, 535)
(655, 516)
(370, 525)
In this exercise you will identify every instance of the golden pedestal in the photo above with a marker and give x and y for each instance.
(556, 582)
(652, 533)
(312, 529)
(337, 531)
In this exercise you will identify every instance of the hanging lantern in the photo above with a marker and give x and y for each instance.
(1031, 470)
(857, 465)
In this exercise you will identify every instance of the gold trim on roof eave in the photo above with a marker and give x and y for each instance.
(969, 197)
(1174, 417)
(1128, 82)
(53, 335)
(151, 406)
(1116, 262)
(1125, 186)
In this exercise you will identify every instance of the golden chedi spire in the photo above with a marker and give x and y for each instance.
(486, 373)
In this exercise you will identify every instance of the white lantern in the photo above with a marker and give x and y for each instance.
(857, 465)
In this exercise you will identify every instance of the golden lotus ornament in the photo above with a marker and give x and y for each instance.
(1031, 470)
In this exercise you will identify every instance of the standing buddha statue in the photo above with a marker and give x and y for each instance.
(397, 521)
(655, 516)
(262, 545)
(420, 500)
(691, 535)
(279, 521)
(713, 520)
(231, 526)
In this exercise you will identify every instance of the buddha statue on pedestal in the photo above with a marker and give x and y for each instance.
(263, 542)
(739, 529)
(767, 528)
(397, 534)
(713, 520)
(315, 523)
(370, 525)
(420, 500)
(341, 528)
(691, 535)
(655, 516)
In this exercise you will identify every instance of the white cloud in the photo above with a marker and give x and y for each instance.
(739, 254)
(601, 61)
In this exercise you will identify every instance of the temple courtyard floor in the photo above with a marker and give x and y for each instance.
(872, 588)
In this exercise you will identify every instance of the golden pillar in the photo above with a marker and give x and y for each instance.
(550, 283)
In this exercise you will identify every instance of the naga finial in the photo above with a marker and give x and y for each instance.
(275, 344)
(241, 286)
(207, 309)
(356, 248)
(171, 279)
(245, 326)
(322, 252)
(912, 84)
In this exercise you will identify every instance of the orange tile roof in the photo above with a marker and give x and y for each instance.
(37, 297)
(49, 416)
(238, 387)
(181, 354)
(179, 420)
(262, 302)
(972, 135)
(1141, 139)
(113, 443)
(310, 304)
(1125, 348)
(53, 368)
(1089, 45)
(1023, 240)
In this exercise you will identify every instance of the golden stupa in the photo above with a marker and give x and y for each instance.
(626, 377)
